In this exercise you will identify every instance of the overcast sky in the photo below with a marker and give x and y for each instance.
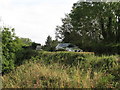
(34, 19)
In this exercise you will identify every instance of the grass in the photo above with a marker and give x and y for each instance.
(38, 75)
(92, 72)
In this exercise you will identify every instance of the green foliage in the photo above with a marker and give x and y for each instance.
(63, 57)
(48, 41)
(34, 45)
(90, 24)
(50, 44)
(106, 48)
(8, 48)
(12, 52)
(24, 54)
(84, 59)
(90, 71)
(102, 83)
(23, 41)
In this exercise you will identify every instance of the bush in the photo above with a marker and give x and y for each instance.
(8, 49)
(108, 49)
(63, 57)
(24, 54)
(83, 59)
(12, 52)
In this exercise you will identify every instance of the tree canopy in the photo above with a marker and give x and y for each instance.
(50, 44)
(91, 23)
(12, 51)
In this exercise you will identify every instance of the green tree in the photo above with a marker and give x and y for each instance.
(50, 44)
(12, 52)
(48, 41)
(8, 48)
(91, 23)
(25, 41)
(94, 21)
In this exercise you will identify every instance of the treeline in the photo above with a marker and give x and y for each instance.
(14, 49)
(93, 26)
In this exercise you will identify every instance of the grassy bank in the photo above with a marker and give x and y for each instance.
(65, 70)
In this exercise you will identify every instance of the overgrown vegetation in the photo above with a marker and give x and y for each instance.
(13, 52)
(65, 70)
(92, 26)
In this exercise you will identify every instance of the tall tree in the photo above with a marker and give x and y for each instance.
(91, 22)
(48, 41)
(50, 44)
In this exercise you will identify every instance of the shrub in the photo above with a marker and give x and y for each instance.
(8, 49)
(63, 57)
(108, 49)
(24, 54)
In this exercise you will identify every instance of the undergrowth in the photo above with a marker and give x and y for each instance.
(54, 70)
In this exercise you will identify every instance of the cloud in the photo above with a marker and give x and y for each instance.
(34, 19)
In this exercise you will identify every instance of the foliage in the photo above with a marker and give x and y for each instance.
(63, 57)
(24, 41)
(50, 44)
(107, 48)
(12, 52)
(48, 41)
(98, 72)
(90, 24)
(24, 54)
(8, 48)
(84, 59)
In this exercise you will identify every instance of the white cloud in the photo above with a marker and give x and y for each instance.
(35, 21)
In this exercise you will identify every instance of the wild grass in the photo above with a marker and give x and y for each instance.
(35, 75)
(38, 75)
(91, 72)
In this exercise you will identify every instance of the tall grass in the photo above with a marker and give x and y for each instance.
(83, 71)
(38, 75)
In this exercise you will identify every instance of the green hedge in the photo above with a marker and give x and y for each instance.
(84, 60)
(63, 57)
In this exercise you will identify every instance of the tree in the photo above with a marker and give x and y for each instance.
(26, 41)
(91, 23)
(8, 48)
(48, 41)
(50, 44)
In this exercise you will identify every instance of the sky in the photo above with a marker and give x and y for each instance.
(34, 19)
